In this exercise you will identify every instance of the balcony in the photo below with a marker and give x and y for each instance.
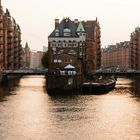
(20, 52)
(20, 58)
(15, 58)
(1, 18)
(136, 52)
(15, 41)
(10, 29)
(16, 36)
(1, 42)
(1, 50)
(1, 28)
(9, 42)
(10, 36)
(16, 51)
(9, 48)
(16, 48)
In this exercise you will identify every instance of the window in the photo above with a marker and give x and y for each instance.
(69, 44)
(67, 32)
(55, 60)
(80, 43)
(72, 52)
(59, 61)
(60, 52)
(56, 34)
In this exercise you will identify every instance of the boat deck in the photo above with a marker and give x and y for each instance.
(98, 85)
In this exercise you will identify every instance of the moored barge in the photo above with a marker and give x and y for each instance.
(98, 86)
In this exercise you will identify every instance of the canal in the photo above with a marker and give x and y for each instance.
(27, 112)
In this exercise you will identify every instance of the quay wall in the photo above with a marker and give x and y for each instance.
(65, 83)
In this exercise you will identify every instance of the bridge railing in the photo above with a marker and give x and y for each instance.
(117, 70)
(24, 72)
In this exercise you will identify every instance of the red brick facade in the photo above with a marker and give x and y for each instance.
(135, 49)
(80, 46)
(124, 54)
(93, 45)
(10, 42)
(116, 55)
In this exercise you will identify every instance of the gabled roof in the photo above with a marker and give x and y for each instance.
(85, 26)
(80, 28)
(66, 23)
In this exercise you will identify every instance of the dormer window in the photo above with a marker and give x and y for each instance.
(67, 32)
(56, 32)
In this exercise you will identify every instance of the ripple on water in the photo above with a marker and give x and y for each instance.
(29, 113)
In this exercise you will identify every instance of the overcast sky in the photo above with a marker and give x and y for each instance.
(117, 18)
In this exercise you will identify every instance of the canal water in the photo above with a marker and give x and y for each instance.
(27, 112)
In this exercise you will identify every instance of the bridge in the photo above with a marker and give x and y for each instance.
(24, 72)
(6, 73)
(117, 71)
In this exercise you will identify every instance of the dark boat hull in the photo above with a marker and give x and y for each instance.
(98, 88)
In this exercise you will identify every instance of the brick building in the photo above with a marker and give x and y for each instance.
(135, 49)
(10, 41)
(76, 43)
(1, 37)
(116, 55)
(35, 59)
(93, 45)
(26, 56)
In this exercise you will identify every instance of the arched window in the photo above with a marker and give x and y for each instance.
(74, 43)
(69, 43)
(60, 43)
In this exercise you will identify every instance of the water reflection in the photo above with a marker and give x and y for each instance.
(29, 113)
(136, 88)
(8, 89)
(127, 86)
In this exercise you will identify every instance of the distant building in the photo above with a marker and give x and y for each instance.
(135, 49)
(76, 43)
(10, 41)
(26, 56)
(35, 59)
(116, 55)
(45, 49)
(125, 54)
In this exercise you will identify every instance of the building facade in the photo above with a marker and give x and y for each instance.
(93, 45)
(45, 49)
(35, 59)
(135, 49)
(76, 43)
(1, 37)
(26, 56)
(10, 42)
(116, 55)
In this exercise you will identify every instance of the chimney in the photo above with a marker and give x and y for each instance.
(56, 22)
(76, 21)
(96, 19)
